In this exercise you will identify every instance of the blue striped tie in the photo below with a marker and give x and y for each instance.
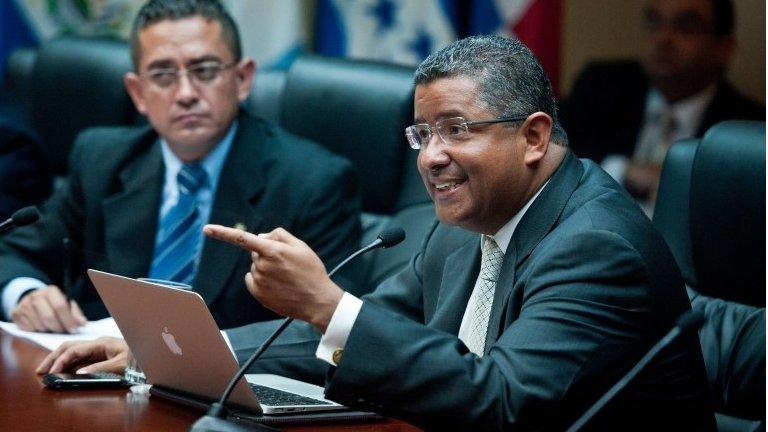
(177, 248)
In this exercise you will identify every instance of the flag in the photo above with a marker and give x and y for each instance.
(397, 31)
(536, 23)
(273, 32)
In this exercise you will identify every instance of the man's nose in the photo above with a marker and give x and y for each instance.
(432, 155)
(186, 92)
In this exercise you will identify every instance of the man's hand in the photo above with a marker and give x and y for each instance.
(642, 180)
(105, 354)
(47, 310)
(286, 275)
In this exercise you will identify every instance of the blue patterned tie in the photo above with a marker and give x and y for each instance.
(177, 248)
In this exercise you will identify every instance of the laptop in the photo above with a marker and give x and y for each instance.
(173, 336)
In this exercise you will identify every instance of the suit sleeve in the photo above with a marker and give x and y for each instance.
(580, 317)
(36, 250)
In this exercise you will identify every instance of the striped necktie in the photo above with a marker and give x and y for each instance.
(481, 300)
(178, 243)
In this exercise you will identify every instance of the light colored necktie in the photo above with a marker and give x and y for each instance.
(480, 307)
(653, 145)
(177, 249)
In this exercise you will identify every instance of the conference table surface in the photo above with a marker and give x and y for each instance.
(25, 405)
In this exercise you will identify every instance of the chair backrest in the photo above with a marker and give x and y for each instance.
(76, 83)
(358, 109)
(728, 212)
(266, 98)
(711, 211)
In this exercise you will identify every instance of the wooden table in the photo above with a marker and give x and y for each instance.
(25, 405)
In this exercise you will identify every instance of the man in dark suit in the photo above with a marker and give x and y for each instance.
(137, 198)
(624, 115)
(540, 286)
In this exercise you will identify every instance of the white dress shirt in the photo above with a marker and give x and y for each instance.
(686, 115)
(340, 326)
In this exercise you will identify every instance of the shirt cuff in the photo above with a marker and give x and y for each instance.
(335, 338)
(16, 288)
(616, 166)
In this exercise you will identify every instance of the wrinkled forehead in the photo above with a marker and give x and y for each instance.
(447, 97)
(182, 41)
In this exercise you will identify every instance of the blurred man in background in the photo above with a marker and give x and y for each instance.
(625, 115)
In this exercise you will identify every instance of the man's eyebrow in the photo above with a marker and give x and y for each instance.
(442, 115)
(170, 64)
(161, 64)
(204, 59)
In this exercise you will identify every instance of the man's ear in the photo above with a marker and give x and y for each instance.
(536, 131)
(132, 84)
(245, 70)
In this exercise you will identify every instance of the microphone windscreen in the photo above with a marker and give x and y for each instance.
(691, 320)
(25, 216)
(391, 236)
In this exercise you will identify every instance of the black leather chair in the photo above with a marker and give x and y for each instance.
(77, 83)
(711, 211)
(360, 109)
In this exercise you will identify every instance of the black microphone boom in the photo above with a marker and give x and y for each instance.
(689, 321)
(215, 419)
(22, 217)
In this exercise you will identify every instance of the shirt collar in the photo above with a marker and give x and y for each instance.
(504, 235)
(687, 113)
(213, 163)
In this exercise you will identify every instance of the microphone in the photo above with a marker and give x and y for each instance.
(688, 322)
(215, 419)
(22, 217)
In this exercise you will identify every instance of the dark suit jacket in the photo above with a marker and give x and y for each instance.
(605, 109)
(586, 287)
(109, 210)
(24, 176)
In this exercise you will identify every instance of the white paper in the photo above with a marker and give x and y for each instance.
(91, 330)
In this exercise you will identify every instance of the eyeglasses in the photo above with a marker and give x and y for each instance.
(452, 130)
(204, 73)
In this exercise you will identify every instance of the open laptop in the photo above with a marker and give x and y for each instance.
(179, 346)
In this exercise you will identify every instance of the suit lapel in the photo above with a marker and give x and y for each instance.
(459, 276)
(130, 215)
(537, 222)
(239, 186)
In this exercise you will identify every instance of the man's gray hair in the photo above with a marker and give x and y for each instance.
(510, 80)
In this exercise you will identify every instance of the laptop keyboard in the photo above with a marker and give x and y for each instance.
(274, 397)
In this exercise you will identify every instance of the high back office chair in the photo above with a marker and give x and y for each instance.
(360, 109)
(76, 83)
(711, 211)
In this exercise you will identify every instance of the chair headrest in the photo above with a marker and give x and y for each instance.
(77, 82)
(358, 109)
(672, 215)
(728, 212)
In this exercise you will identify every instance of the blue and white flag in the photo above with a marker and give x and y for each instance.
(273, 32)
(398, 31)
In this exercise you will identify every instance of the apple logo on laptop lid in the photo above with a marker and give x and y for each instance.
(170, 341)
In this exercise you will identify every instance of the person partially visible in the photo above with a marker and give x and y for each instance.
(540, 286)
(24, 175)
(624, 115)
(137, 197)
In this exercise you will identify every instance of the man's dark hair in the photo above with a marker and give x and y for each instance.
(155, 11)
(510, 80)
(722, 17)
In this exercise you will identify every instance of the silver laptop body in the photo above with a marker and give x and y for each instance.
(174, 338)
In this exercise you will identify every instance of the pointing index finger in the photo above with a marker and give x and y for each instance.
(237, 237)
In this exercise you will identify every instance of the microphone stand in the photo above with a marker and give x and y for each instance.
(215, 420)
